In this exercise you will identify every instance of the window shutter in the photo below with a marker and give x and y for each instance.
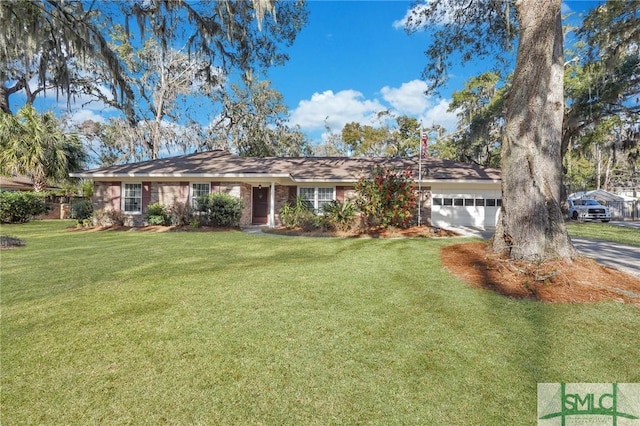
(184, 192)
(146, 195)
(114, 195)
(293, 193)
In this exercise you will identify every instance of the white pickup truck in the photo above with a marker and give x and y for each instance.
(584, 209)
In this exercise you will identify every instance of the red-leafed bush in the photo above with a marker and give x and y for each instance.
(387, 198)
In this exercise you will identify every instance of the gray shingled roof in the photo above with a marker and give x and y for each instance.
(222, 163)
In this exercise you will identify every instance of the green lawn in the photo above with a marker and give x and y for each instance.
(235, 329)
(605, 231)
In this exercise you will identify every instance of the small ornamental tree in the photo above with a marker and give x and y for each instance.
(387, 197)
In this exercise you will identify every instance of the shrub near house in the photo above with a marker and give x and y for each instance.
(387, 198)
(220, 209)
(157, 215)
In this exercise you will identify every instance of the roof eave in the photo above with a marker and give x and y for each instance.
(182, 175)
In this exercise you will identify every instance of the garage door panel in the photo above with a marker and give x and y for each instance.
(456, 209)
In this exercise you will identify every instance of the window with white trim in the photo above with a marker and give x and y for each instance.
(198, 190)
(316, 198)
(132, 197)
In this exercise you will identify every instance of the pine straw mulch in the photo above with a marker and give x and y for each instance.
(580, 281)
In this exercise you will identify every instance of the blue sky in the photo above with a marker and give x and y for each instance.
(352, 60)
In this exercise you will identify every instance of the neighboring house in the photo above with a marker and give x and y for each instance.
(20, 183)
(57, 208)
(15, 183)
(453, 193)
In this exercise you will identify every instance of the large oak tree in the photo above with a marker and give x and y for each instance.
(67, 46)
(531, 225)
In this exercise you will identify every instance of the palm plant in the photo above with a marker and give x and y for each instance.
(33, 145)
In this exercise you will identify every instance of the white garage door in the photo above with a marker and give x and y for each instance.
(454, 209)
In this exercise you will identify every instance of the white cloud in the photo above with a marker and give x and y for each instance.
(338, 109)
(409, 98)
(82, 115)
(415, 16)
(334, 110)
(439, 114)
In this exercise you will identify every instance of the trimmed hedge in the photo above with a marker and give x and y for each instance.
(21, 206)
(220, 209)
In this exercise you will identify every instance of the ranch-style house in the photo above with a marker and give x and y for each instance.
(453, 194)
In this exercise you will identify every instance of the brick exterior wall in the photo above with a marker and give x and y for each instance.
(106, 195)
(168, 193)
(102, 196)
(58, 211)
(283, 196)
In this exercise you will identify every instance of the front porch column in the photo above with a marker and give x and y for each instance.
(272, 206)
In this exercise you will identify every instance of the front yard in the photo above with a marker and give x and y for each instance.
(229, 328)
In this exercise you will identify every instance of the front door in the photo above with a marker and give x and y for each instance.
(260, 213)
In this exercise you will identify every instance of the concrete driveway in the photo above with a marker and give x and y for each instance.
(626, 224)
(619, 256)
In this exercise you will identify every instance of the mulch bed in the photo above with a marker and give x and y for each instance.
(8, 243)
(582, 280)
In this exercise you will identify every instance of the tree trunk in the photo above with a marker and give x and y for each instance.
(4, 100)
(598, 155)
(39, 182)
(531, 224)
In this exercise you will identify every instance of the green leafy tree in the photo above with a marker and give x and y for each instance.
(65, 44)
(163, 79)
(387, 197)
(364, 140)
(400, 139)
(32, 144)
(602, 86)
(332, 145)
(405, 138)
(480, 107)
(178, 50)
(42, 44)
(601, 117)
(254, 123)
